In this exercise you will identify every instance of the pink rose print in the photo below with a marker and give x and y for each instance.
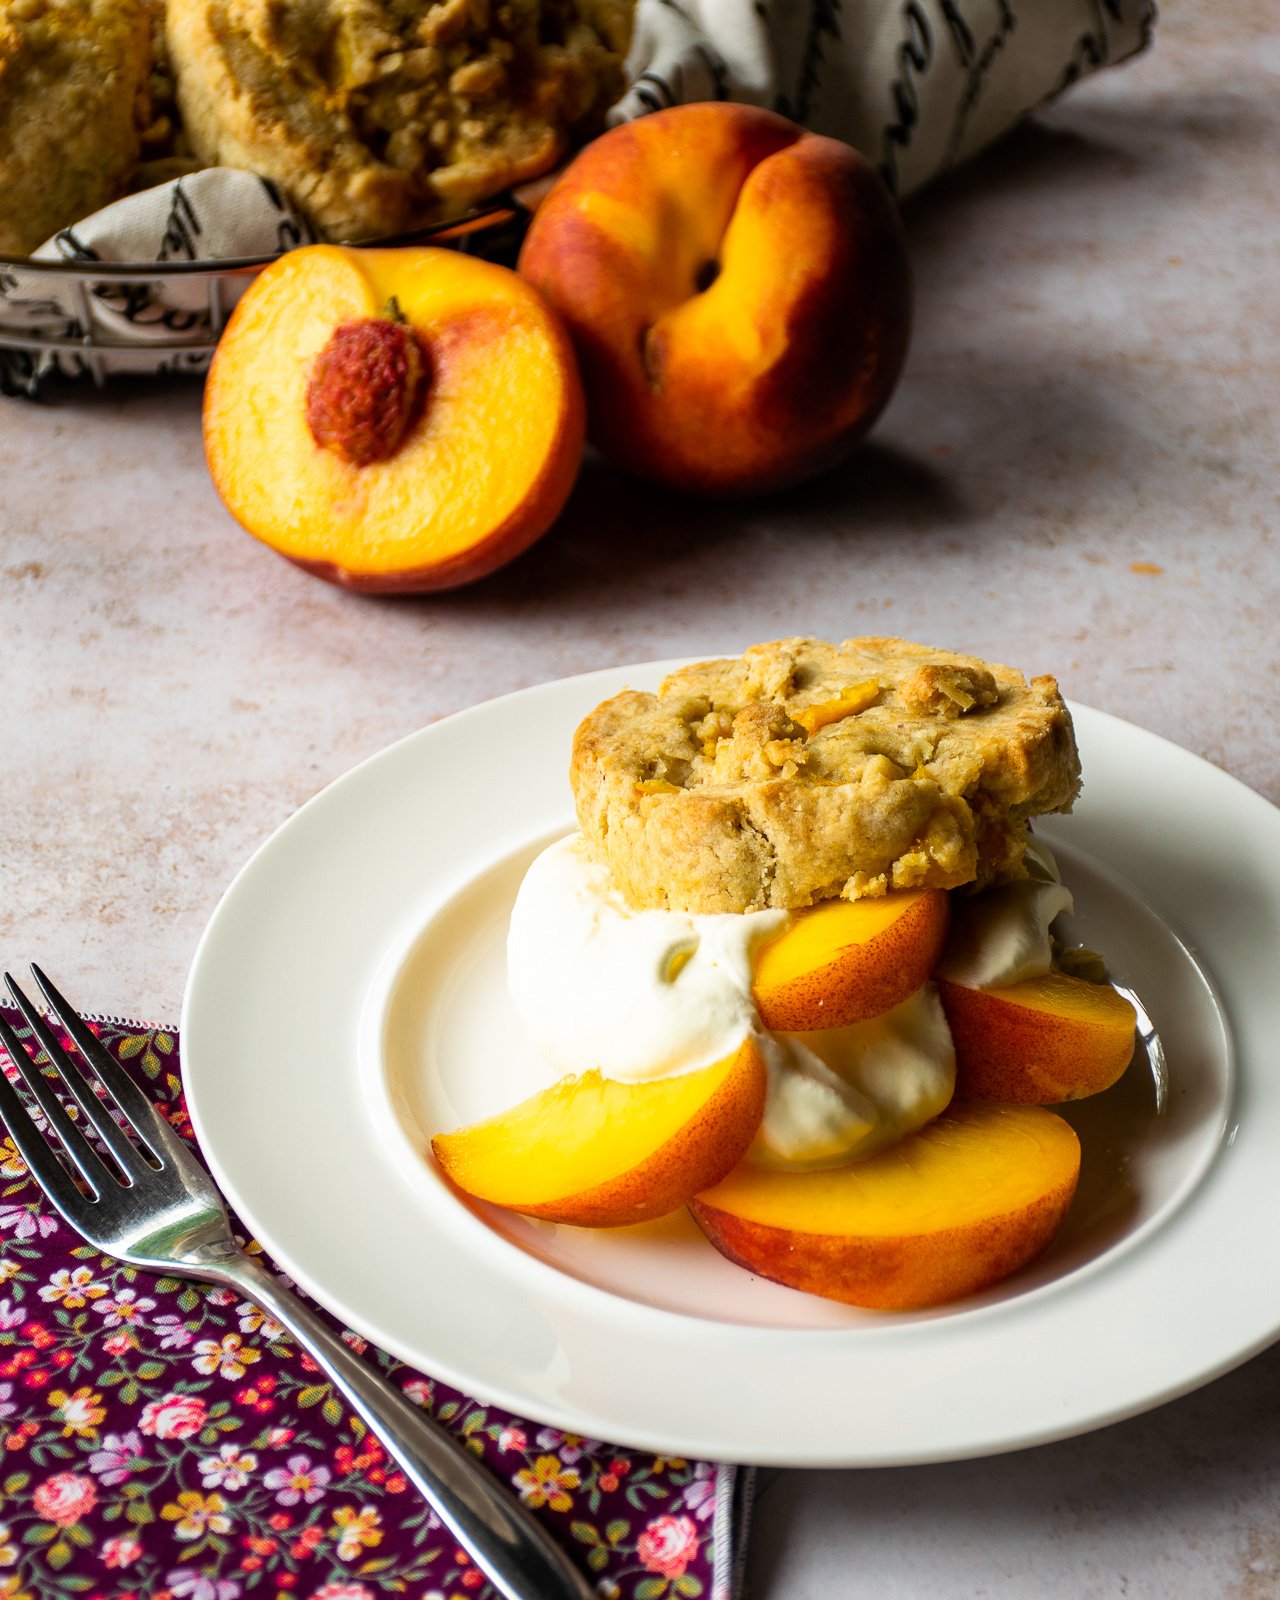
(668, 1545)
(122, 1551)
(121, 1397)
(174, 1416)
(236, 1471)
(65, 1498)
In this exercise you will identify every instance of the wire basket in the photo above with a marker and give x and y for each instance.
(73, 341)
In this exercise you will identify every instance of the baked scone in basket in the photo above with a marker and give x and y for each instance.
(380, 116)
(74, 103)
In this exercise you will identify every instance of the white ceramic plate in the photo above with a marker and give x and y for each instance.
(347, 999)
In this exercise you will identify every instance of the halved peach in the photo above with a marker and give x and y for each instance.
(1038, 1042)
(960, 1205)
(846, 960)
(600, 1154)
(393, 419)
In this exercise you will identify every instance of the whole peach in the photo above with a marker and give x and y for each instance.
(737, 290)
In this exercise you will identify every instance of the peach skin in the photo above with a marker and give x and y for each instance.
(393, 419)
(737, 290)
(952, 1209)
(1040, 1041)
(846, 960)
(600, 1154)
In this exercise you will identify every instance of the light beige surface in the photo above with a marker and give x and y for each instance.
(1079, 475)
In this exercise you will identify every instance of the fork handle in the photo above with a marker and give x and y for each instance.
(512, 1550)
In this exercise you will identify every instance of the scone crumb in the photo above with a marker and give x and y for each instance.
(716, 725)
(762, 744)
(949, 688)
(771, 672)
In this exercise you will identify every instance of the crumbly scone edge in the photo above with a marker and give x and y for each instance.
(710, 797)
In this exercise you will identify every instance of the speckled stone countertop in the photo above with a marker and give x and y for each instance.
(1079, 474)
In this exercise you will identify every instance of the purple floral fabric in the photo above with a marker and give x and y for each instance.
(164, 1441)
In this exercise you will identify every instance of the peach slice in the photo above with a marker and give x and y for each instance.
(954, 1208)
(393, 419)
(846, 960)
(1038, 1042)
(600, 1154)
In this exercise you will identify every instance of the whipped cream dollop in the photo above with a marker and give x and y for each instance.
(1001, 936)
(633, 994)
(639, 995)
(839, 1092)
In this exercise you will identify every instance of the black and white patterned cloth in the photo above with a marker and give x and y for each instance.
(916, 85)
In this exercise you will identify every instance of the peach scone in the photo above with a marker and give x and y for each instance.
(804, 771)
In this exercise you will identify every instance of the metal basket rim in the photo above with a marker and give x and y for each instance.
(504, 208)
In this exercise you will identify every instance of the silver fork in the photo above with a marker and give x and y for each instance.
(160, 1211)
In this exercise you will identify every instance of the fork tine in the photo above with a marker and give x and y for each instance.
(108, 1129)
(41, 1162)
(68, 1135)
(163, 1142)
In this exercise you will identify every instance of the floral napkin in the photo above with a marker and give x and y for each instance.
(160, 1440)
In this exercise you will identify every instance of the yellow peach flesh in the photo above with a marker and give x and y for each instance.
(1041, 1041)
(846, 960)
(449, 504)
(599, 1153)
(956, 1207)
(846, 704)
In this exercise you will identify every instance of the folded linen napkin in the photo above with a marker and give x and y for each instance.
(161, 1439)
(916, 85)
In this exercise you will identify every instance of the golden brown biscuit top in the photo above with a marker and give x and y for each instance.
(802, 771)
